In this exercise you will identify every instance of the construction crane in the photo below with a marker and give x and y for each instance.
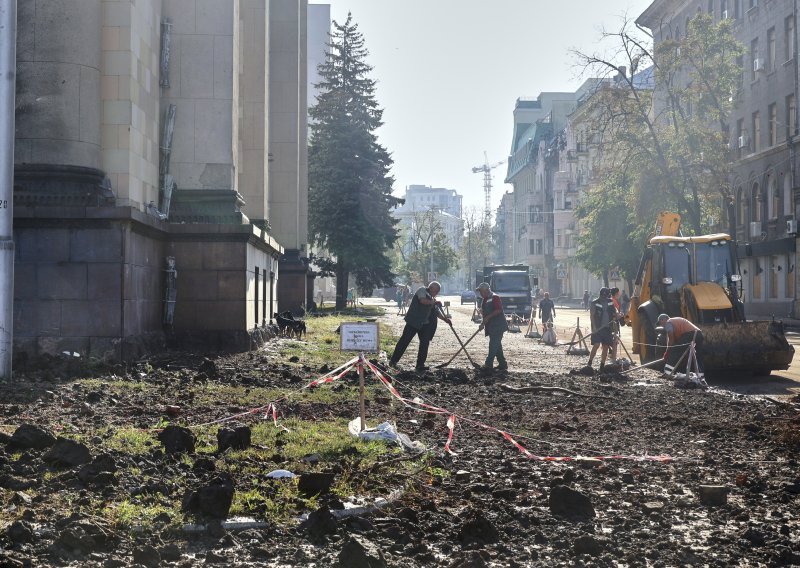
(487, 168)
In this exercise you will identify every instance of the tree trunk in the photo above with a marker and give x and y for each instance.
(605, 278)
(342, 278)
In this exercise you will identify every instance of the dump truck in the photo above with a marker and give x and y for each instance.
(697, 278)
(512, 282)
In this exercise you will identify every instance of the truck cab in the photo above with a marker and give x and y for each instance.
(513, 284)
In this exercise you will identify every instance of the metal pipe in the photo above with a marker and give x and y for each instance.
(8, 74)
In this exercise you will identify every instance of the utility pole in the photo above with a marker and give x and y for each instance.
(8, 74)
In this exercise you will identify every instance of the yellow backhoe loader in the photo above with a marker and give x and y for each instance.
(698, 278)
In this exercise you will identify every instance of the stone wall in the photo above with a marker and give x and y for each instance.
(130, 132)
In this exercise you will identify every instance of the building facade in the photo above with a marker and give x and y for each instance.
(763, 137)
(159, 173)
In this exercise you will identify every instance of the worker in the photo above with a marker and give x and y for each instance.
(586, 300)
(680, 333)
(398, 296)
(495, 324)
(602, 314)
(421, 320)
(547, 309)
(615, 298)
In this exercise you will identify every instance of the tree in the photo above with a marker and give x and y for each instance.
(477, 247)
(423, 243)
(350, 185)
(610, 237)
(672, 140)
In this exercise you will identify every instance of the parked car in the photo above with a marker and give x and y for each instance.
(467, 297)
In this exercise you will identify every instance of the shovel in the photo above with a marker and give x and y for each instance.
(463, 348)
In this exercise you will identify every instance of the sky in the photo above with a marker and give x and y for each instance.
(450, 71)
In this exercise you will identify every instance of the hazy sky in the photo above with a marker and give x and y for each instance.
(450, 71)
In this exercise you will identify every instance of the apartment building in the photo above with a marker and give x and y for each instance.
(763, 135)
(160, 173)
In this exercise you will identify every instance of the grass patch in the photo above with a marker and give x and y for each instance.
(134, 441)
(323, 347)
(128, 515)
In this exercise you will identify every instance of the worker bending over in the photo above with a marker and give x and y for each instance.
(680, 332)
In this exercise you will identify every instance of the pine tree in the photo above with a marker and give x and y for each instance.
(350, 186)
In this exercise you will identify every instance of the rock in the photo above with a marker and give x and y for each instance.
(469, 559)
(21, 498)
(209, 368)
(238, 438)
(212, 500)
(91, 472)
(204, 464)
(172, 410)
(361, 553)
(16, 484)
(177, 440)
(213, 557)
(568, 502)
(31, 436)
(8, 561)
(147, 556)
(587, 544)
(462, 476)
(477, 529)
(319, 523)
(170, 553)
(67, 452)
(311, 484)
(652, 506)
(713, 495)
(19, 532)
(754, 536)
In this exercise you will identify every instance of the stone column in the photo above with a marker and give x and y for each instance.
(58, 85)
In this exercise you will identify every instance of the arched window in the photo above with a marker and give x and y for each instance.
(741, 208)
(755, 203)
(788, 209)
(774, 198)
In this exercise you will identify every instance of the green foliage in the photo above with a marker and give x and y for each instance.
(423, 239)
(671, 142)
(611, 236)
(350, 186)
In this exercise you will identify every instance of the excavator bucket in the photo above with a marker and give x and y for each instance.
(745, 348)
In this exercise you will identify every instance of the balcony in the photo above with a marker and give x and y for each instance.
(582, 148)
(572, 156)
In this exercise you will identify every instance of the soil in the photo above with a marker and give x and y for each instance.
(725, 491)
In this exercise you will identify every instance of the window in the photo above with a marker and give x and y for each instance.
(755, 204)
(791, 116)
(711, 7)
(753, 59)
(757, 280)
(773, 277)
(531, 246)
(737, 9)
(773, 124)
(255, 298)
(558, 237)
(788, 270)
(788, 38)
(774, 199)
(770, 50)
(787, 196)
(723, 9)
(756, 131)
(741, 137)
(741, 208)
(538, 246)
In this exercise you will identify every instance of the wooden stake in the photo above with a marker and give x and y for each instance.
(361, 391)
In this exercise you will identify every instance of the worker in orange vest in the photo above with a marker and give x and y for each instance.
(680, 332)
